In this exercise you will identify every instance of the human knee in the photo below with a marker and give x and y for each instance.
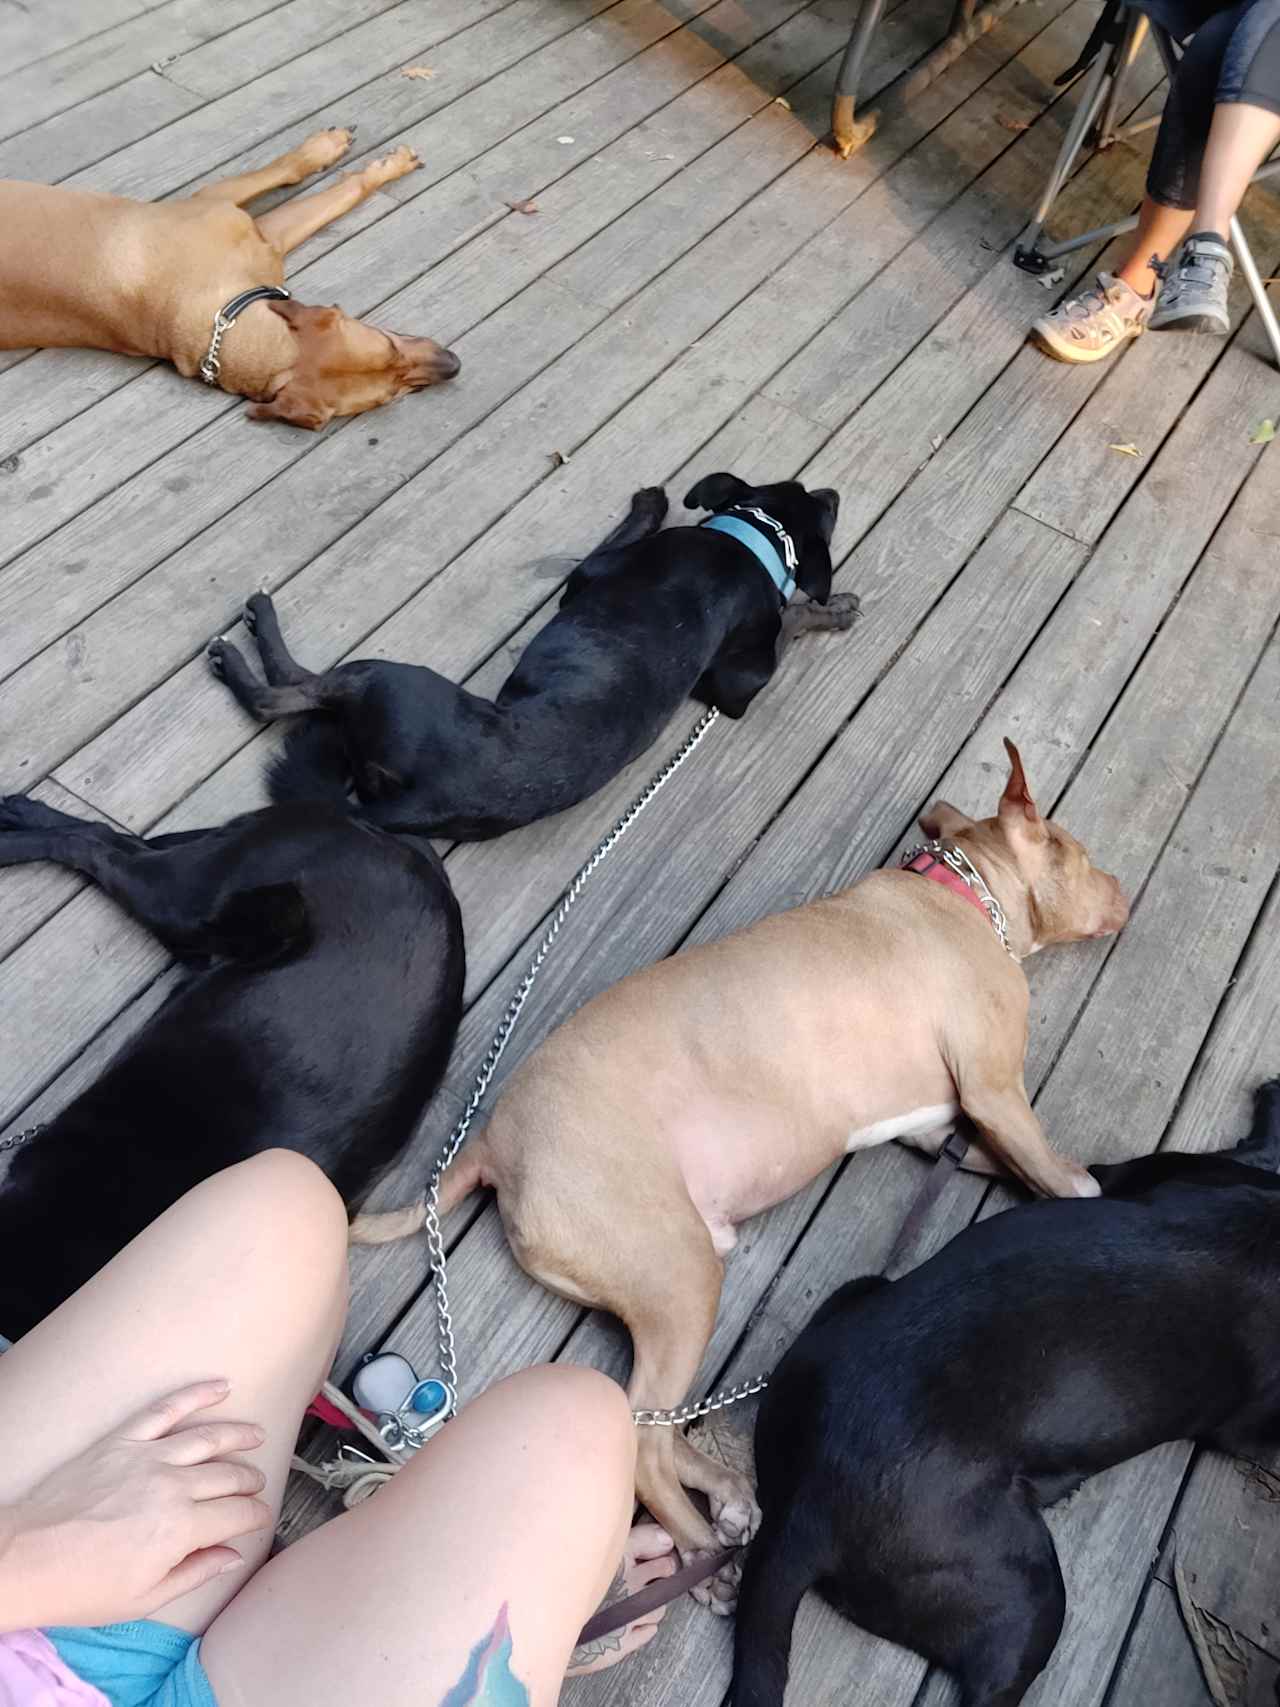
(587, 1412)
(288, 1201)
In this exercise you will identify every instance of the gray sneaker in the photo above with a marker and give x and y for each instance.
(1193, 290)
(1092, 327)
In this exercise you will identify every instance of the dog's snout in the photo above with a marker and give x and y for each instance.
(431, 362)
(829, 498)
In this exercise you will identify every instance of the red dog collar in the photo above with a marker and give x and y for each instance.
(930, 866)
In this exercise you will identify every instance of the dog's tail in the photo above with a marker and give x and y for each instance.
(1261, 1149)
(384, 1227)
(312, 764)
(775, 1578)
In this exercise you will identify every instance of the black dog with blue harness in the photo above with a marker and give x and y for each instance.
(650, 618)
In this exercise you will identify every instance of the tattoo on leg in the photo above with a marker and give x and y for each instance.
(586, 1654)
(488, 1680)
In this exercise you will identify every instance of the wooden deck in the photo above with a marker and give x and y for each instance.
(701, 286)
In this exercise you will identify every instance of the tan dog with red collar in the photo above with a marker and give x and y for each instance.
(708, 1087)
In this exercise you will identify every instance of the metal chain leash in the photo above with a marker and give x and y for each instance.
(17, 1138)
(497, 1048)
(703, 1408)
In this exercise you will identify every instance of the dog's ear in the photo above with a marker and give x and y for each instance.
(1018, 811)
(378, 782)
(259, 927)
(299, 403)
(943, 820)
(300, 400)
(717, 492)
(814, 574)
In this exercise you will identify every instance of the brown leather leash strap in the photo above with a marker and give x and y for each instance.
(667, 1589)
(949, 1158)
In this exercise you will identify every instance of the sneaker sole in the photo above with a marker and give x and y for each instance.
(1073, 356)
(1193, 322)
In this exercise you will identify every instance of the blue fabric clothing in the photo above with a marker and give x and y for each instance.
(144, 1664)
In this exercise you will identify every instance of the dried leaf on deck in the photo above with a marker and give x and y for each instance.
(417, 71)
(1015, 125)
(1048, 280)
(1223, 1656)
(558, 459)
(523, 207)
(1263, 433)
(1126, 450)
(782, 101)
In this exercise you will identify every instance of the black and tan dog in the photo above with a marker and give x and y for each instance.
(646, 620)
(912, 1435)
(318, 1016)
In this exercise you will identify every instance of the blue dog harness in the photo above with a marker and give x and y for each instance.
(747, 524)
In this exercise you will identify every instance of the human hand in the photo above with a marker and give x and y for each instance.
(138, 1519)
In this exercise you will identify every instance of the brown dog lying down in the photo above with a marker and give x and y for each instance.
(89, 271)
(706, 1088)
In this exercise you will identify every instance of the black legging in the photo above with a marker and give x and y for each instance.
(1233, 56)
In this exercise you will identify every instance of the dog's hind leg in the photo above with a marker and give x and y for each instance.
(175, 887)
(260, 699)
(992, 1614)
(778, 1572)
(263, 622)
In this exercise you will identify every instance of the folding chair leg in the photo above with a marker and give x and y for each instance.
(1130, 46)
(848, 133)
(1257, 290)
(1091, 99)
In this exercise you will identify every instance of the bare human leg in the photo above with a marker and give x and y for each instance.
(466, 1580)
(1241, 137)
(244, 1278)
(1160, 230)
(514, 1518)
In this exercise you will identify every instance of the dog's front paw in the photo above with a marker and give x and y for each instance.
(843, 609)
(736, 1519)
(719, 1594)
(216, 653)
(651, 501)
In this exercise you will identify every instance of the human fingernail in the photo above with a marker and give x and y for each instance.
(231, 1565)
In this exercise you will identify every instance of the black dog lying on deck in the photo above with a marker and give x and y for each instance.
(912, 1434)
(319, 1018)
(646, 620)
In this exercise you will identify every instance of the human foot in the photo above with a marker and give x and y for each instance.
(1091, 327)
(648, 1556)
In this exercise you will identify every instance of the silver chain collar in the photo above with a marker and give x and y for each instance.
(226, 318)
(955, 859)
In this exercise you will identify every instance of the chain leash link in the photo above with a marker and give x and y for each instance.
(448, 1351)
(24, 1137)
